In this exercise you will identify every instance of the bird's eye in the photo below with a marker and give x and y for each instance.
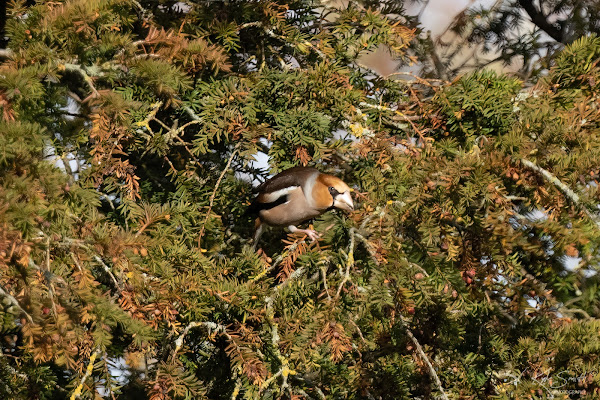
(333, 191)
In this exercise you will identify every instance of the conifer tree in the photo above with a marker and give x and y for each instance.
(129, 131)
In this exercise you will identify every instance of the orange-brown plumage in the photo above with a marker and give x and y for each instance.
(299, 194)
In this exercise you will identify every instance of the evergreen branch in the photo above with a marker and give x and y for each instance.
(312, 384)
(145, 13)
(79, 69)
(293, 276)
(425, 359)
(48, 281)
(108, 271)
(214, 193)
(575, 311)
(192, 114)
(76, 262)
(249, 25)
(15, 303)
(96, 257)
(395, 111)
(407, 118)
(568, 192)
(274, 35)
(145, 55)
(382, 212)
(210, 326)
(12, 369)
(357, 330)
(145, 123)
(284, 370)
(368, 245)
(236, 389)
(323, 271)
(173, 132)
(171, 165)
(90, 368)
(48, 275)
(142, 228)
(278, 260)
(349, 263)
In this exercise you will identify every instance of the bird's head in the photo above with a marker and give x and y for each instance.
(338, 192)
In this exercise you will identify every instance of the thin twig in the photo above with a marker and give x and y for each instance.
(568, 192)
(425, 359)
(236, 389)
(285, 370)
(49, 282)
(15, 303)
(79, 69)
(214, 193)
(349, 263)
(80, 243)
(324, 275)
(369, 247)
(192, 114)
(108, 271)
(358, 330)
(211, 326)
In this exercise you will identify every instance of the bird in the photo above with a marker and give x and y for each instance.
(297, 195)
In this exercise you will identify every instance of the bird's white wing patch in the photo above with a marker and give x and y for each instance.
(274, 196)
(310, 184)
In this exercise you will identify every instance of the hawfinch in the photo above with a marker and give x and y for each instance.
(296, 195)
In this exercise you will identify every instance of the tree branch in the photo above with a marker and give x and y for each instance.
(90, 368)
(349, 263)
(570, 194)
(540, 21)
(78, 69)
(285, 369)
(277, 261)
(210, 326)
(214, 193)
(15, 303)
(432, 372)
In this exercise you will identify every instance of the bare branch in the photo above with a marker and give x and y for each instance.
(15, 303)
(568, 192)
(540, 20)
(349, 263)
(108, 271)
(214, 193)
(78, 69)
(211, 326)
(425, 359)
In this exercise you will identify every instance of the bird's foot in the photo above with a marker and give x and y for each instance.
(312, 234)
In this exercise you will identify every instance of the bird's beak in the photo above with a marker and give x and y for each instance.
(343, 201)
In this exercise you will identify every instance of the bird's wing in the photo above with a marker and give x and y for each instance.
(296, 176)
(277, 196)
(274, 191)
